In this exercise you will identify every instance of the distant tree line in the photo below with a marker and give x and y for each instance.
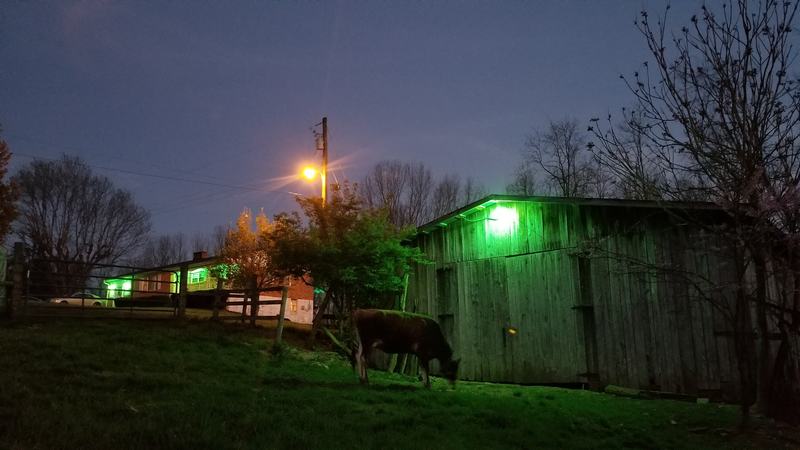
(410, 196)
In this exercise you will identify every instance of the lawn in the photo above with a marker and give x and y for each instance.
(141, 384)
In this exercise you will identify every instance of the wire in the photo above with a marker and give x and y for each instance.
(83, 149)
(163, 177)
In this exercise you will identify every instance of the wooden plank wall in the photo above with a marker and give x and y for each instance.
(649, 331)
(653, 329)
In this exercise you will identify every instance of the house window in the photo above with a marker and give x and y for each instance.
(198, 276)
(153, 282)
(293, 305)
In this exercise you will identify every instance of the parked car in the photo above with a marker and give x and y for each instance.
(84, 298)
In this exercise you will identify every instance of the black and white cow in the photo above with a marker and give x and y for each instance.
(399, 332)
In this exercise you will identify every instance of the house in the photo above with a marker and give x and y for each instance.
(564, 291)
(161, 282)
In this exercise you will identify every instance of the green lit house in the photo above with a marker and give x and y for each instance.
(161, 281)
(554, 290)
(132, 289)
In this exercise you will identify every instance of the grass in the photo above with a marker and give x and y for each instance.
(139, 384)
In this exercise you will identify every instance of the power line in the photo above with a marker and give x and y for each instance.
(163, 177)
(91, 151)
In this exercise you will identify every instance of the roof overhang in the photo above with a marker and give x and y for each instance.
(447, 219)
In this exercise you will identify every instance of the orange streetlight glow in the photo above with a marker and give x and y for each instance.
(309, 173)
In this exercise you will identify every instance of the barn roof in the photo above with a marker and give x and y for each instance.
(614, 203)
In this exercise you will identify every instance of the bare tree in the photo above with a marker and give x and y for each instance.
(631, 160)
(201, 242)
(218, 236)
(471, 190)
(401, 189)
(75, 219)
(409, 195)
(525, 181)
(451, 193)
(560, 153)
(719, 112)
(163, 250)
(446, 195)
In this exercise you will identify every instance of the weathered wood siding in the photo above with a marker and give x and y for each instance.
(581, 315)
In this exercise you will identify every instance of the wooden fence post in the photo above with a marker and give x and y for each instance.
(183, 292)
(255, 297)
(217, 300)
(281, 315)
(17, 277)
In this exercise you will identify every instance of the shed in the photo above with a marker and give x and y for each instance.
(562, 291)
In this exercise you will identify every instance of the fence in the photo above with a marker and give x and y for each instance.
(39, 287)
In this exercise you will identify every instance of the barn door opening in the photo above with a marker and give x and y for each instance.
(447, 302)
(586, 317)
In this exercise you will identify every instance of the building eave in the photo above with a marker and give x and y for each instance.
(445, 220)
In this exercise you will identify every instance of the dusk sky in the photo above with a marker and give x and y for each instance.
(215, 100)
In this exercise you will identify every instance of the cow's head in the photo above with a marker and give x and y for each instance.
(450, 370)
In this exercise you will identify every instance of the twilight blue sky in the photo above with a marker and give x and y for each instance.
(225, 92)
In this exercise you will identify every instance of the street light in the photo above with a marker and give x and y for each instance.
(309, 172)
(322, 145)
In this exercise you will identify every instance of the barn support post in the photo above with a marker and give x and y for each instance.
(281, 315)
(217, 300)
(586, 319)
(183, 290)
(17, 277)
(403, 297)
(254, 299)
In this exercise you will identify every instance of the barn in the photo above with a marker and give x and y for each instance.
(591, 291)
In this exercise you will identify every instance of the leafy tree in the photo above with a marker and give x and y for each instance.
(352, 252)
(717, 117)
(8, 194)
(72, 220)
(248, 249)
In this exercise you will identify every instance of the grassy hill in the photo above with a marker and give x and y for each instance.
(139, 384)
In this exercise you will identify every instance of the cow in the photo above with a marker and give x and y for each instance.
(401, 332)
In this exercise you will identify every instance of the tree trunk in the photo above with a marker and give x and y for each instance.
(743, 342)
(764, 351)
(317, 321)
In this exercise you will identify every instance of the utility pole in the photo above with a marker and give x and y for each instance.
(324, 172)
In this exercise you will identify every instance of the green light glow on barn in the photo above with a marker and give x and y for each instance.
(502, 220)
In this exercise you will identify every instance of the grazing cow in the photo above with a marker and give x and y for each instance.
(400, 332)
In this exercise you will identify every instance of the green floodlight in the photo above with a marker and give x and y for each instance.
(502, 220)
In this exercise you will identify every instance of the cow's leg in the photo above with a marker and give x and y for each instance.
(361, 362)
(425, 369)
(365, 378)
